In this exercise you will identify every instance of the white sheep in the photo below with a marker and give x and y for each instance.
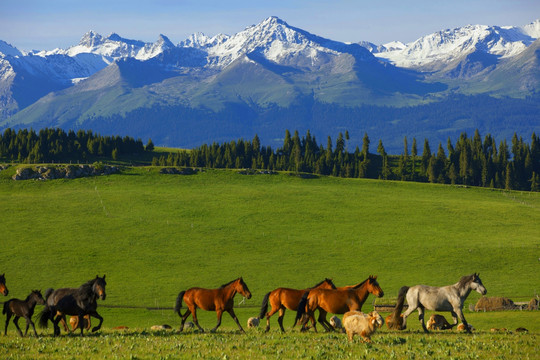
(253, 322)
(356, 322)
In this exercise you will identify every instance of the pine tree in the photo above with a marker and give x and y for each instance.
(535, 182)
(414, 153)
(426, 156)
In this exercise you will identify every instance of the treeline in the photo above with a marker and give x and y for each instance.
(470, 161)
(49, 145)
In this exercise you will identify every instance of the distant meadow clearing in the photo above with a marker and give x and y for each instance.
(154, 235)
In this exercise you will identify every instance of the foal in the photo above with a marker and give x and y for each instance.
(23, 308)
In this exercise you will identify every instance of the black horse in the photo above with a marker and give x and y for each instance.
(79, 302)
(23, 308)
(3, 288)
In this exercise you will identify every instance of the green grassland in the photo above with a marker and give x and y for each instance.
(154, 235)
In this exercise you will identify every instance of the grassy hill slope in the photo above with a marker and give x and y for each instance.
(154, 235)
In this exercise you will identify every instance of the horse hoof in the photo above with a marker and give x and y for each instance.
(94, 329)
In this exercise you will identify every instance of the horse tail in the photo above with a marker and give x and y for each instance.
(48, 293)
(301, 309)
(400, 300)
(44, 317)
(178, 304)
(264, 306)
(393, 322)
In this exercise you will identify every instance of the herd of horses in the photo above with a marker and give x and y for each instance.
(324, 297)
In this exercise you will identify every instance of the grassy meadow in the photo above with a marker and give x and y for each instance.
(154, 235)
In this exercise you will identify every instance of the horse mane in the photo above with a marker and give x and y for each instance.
(465, 280)
(227, 284)
(86, 291)
(327, 279)
(358, 285)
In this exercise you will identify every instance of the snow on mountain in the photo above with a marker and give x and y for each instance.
(8, 50)
(393, 46)
(113, 47)
(449, 45)
(200, 40)
(276, 41)
(532, 29)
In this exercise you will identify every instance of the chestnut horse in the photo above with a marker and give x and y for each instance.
(336, 301)
(23, 308)
(285, 298)
(3, 289)
(218, 300)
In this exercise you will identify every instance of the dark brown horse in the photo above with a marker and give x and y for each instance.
(336, 301)
(3, 289)
(79, 301)
(23, 308)
(285, 298)
(218, 300)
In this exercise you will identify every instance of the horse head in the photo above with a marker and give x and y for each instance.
(242, 288)
(3, 289)
(373, 286)
(99, 287)
(476, 284)
(36, 295)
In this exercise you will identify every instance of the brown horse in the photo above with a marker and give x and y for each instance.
(3, 289)
(218, 300)
(285, 298)
(336, 301)
(22, 308)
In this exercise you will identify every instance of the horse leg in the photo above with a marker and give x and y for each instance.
(30, 322)
(8, 317)
(233, 315)
(459, 313)
(421, 318)
(16, 322)
(93, 314)
(80, 323)
(27, 326)
(454, 317)
(184, 318)
(269, 315)
(219, 313)
(322, 320)
(55, 322)
(408, 312)
(280, 319)
(195, 320)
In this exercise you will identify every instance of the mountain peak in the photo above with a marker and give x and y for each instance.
(532, 29)
(8, 50)
(164, 41)
(91, 39)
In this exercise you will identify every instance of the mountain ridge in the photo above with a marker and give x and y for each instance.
(266, 66)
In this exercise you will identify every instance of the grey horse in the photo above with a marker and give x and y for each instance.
(446, 298)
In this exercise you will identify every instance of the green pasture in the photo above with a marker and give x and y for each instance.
(154, 235)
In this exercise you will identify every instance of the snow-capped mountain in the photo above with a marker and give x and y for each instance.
(113, 47)
(267, 66)
(274, 40)
(435, 51)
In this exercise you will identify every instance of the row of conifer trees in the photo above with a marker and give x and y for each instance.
(55, 145)
(470, 161)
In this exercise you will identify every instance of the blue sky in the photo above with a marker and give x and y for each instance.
(47, 24)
